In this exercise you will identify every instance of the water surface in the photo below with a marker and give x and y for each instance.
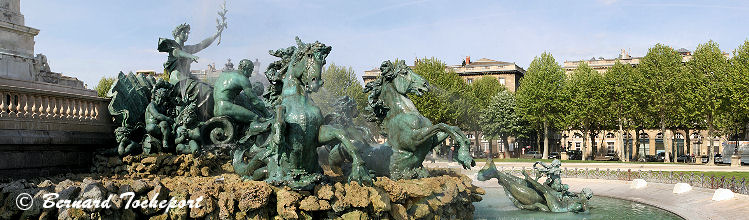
(496, 205)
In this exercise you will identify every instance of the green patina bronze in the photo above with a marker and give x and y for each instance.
(527, 193)
(275, 138)
(179, 58)
(410, 135)
(158, 119)
(289, 152)
(376, 156)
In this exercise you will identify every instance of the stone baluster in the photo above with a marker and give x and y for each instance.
(58, 108)
(91, 108)
(52, 107)
(19, 105)
(68, 112)
(95, 115)
(86, 107)
(81, 113)
(44, 101)
(12, 106)
(2, 104)
(26, 108)
(33, 113)
(74, 106)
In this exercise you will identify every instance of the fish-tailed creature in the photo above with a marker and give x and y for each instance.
(527, 193)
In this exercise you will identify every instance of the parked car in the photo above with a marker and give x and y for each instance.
(718, 158)
(651, 158)
(532, 155)
(684, 158)
(554, 155)
(575, 154)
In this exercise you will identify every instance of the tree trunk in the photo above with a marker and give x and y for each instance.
(621, 142)
(505, 145)
(674, 146)
(491, 151)
(593, 147)
(538, 139)
(667, 158)
(636, 153)
(710, 155)
(584, 153)
(687, 143)
(476, 140)
(546, 141)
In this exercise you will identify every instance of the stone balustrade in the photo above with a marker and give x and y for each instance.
(37, 108)
(48, 128)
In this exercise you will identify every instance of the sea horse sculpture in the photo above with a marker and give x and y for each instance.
(289, 153)
(527, 193)
(410, 135)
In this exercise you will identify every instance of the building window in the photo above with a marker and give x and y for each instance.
(577, 145)
(610, 135)
(502, 81)
(469, 80)
(679, 136)
(610, 147)
(578, 135)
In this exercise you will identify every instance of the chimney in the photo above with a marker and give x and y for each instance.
(468, 60)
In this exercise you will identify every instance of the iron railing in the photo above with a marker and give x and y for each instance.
(737, 185)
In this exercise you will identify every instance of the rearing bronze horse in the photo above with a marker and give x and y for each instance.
(410, 135)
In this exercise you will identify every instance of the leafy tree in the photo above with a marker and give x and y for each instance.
(103, 87)
(739, 86)
(622, 94)
(339, 81)
(500, 119)
(587, 104)
(481, 93)
(446, 87)
(709, 64)
(661, 68)
(540, 96)
(484, 89)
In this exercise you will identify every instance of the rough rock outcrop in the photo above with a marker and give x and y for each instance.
(446, 196)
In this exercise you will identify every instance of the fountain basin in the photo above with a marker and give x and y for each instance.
(496, 205)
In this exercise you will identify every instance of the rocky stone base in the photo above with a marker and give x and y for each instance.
(446, 195)
(152, 165)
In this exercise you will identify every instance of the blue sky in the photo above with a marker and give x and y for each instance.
(91, 39)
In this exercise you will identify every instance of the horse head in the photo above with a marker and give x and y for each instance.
(405, 80)
(307, 62)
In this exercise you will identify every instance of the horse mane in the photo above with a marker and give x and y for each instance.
(278, 69)
(376, 106)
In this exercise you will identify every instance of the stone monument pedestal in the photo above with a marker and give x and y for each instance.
(735, 160)
(563, 155)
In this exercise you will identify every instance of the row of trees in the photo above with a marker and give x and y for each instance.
(707, 92)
